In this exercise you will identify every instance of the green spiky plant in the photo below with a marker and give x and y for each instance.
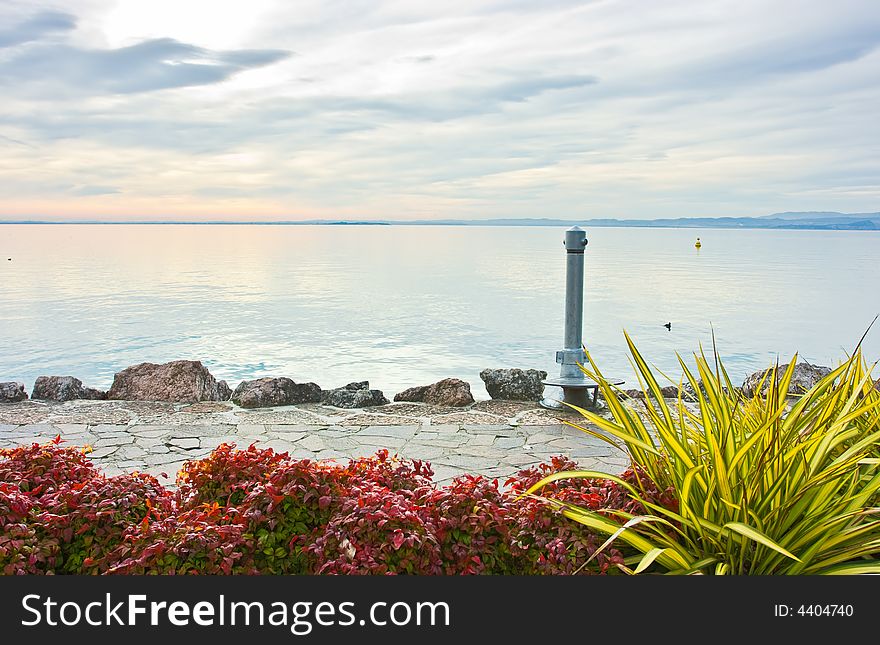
(764, 485)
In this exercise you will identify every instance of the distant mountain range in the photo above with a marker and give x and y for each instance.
(808, 220)
(789, 220)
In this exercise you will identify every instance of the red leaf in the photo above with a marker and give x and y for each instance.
(397, 539)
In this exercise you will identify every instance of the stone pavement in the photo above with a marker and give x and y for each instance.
(491, 438)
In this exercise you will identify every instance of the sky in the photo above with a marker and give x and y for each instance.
(271, 110)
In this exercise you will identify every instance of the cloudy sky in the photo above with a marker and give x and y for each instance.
(301, 109)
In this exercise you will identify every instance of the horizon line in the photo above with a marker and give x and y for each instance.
(828, 220)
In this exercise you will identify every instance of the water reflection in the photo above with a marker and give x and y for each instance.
(408, 305)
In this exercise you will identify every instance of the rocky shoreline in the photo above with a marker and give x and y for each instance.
(439, 422)
(187, 381)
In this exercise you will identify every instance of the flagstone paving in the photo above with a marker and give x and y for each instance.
(490, 438)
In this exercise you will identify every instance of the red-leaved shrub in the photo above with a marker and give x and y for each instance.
(471, 521)
(557, 545)
(287, 513)
(21, 551)
(595, 494)
(42, 468)
(551, 543)
(390, 472)
(256, 511)
(89, 518)
(200, 541)
(283, 514)
(226, 476)
(380, 532)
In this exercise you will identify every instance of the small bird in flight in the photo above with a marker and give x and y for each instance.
(668, 326)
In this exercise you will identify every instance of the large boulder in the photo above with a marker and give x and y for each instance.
(805, 376)
(450, 392)
(12, 392)
(354, 395)
(270, 392)
(514, 384)
(64, 388)
(177, 382)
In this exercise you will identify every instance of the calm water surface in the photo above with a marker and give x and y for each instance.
(402, 306)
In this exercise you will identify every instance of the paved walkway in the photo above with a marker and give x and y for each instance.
(490, 438)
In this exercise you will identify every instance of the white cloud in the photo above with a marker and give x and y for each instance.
(404, 110)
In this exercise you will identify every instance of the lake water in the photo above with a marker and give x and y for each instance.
(402, 306)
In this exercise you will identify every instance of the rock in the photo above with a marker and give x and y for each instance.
(413, 395)
(224, 391)
(514, 384)
(805, 376)
(12, 392)
(450, 392)
(668, 392)
(177, 382)
(64, 388)
(270, 392)
(354, 395)
(689, 394)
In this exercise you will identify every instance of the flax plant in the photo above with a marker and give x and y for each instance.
(765, 485)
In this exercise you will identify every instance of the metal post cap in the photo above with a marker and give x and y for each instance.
(575, 239)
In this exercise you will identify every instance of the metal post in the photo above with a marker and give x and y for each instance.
(571, 379)
(575, 242)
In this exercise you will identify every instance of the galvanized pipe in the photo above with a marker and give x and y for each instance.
(572, 380)
(575, 241)
(574, 383)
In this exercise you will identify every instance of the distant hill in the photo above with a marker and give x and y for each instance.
(814, 221)
(811, 215)
(355, 223)
(790, 220)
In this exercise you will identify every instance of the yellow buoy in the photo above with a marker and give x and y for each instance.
(698, 244)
